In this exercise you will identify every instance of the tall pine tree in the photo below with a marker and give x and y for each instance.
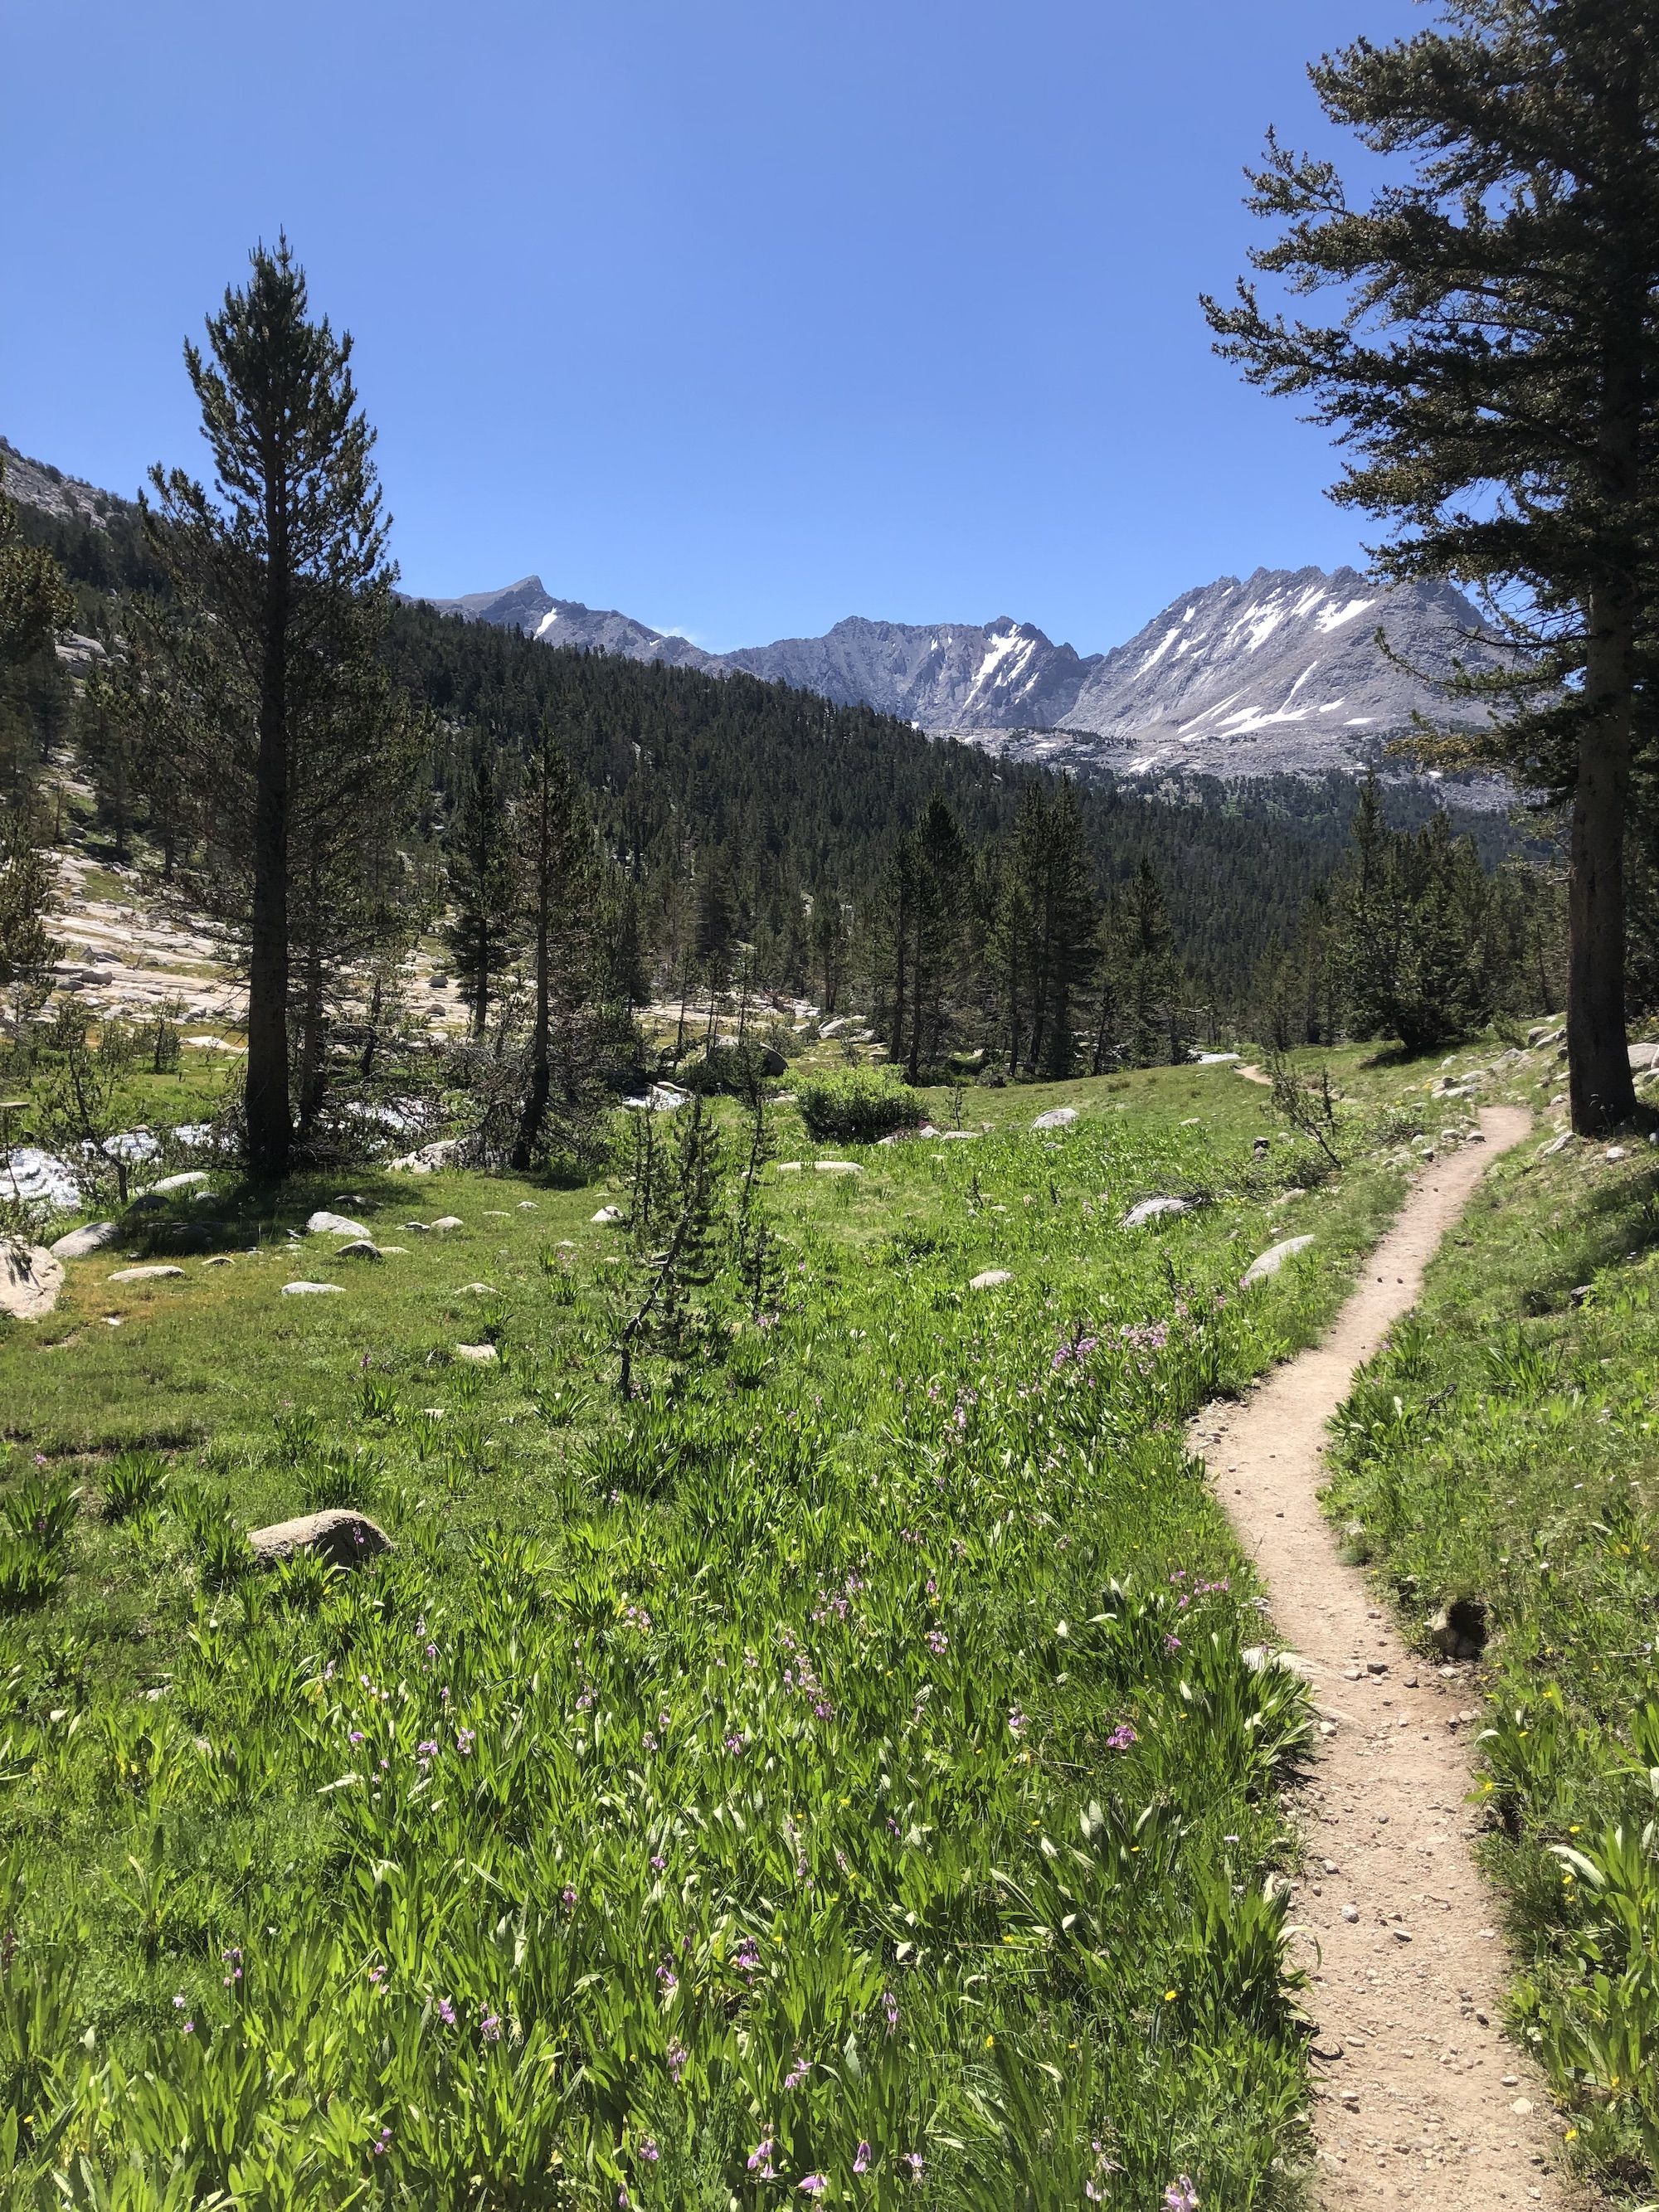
(1493, 373)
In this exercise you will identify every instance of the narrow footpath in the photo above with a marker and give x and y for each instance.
(1421, 2100)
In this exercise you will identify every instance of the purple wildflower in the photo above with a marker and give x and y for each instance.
(489, 2027)
(861, 2159)
(1180, 2196)
(1121, 1737)
(814, 2184)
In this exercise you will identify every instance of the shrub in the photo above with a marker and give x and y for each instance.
(857, 1108)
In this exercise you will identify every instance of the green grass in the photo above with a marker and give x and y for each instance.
(1505, 1447)
(853, 1747)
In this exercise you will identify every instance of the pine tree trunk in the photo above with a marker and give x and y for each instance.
(535, 1105)
(269, 1126)
(1600, 1091)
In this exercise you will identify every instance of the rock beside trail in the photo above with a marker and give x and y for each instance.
(1057, 1117)
(1155, 1209)
(344, 1539)
(82, 1244)
(484, 1354)
(187, 1180)
(1459, 1630)
(30, 1280)
(360, 1248)
(143, 1274)
(1645, 1055)
(1270, 1261)
(333, 1224)
(607, 1214)
(300, 1290)
(990, 1279)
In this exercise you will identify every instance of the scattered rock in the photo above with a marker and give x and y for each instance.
(1556, 1144)
(1270, 1261)
(1057, 1117)
(187, 1180)
(959, 1136)
(605, 1215)
(1459, 1628)
(360, 1248)
(1645, 1055)
(143, 1274)
(303, 1289)
(990, 1279)
(838, 1167)
(333, 1224)
(478, 1289)
(344, 1539)
(449, 1221)
(789, 1167)
(1616, 1153)
(30, 1280)
(81, 1243)
(426, 1159)
(1154, 1209)
(485, 1354)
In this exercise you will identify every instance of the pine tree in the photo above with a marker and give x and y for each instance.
(1494, 376)
(482, 923)
(269, 659)
(1153, 984)
(35, 600)
(555, 898)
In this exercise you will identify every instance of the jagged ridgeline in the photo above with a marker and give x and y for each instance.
(790, 797)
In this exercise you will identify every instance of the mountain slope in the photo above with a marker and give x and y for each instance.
(1278, 673)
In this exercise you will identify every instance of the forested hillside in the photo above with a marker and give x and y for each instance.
(783, 798)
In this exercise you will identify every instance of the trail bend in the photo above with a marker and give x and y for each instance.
(1420, 2099)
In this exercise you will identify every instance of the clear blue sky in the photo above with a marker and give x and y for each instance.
(740, 315)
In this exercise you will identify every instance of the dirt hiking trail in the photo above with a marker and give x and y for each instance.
(1420, 2098)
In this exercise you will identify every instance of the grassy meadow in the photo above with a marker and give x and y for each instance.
(836, 1777)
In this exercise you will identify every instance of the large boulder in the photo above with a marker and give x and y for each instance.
(344, 1539)
(1270, 1261)
(300, 1290)
(1057, 1117)
(144, 1274)
(324, 1224)
(187, 1180)
(30, 1280)
(82, 1244)
(991, 1279)
(1156, 1209)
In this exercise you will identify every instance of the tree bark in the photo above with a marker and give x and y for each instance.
(1599, 1090)
(535, 1105)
